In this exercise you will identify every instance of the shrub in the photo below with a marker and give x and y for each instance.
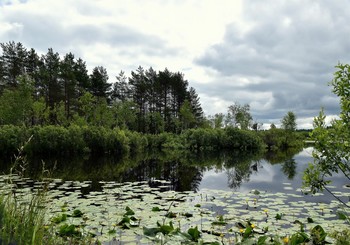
(275, 139)
(137, 142)
(241, 139)
(56, 140)
(11, 137)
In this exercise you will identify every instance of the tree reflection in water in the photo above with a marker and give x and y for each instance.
(289, 168)
(240, 166)
(183, 170)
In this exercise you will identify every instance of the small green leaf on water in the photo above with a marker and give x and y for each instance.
(170, 215)
(262, 239)
(256, 192)
(124, 220)
(218, 223)
(278, 216)
(342, 216)
(59, 218)
(188, 215)
(155, 209)
(77, 213)
(318, 234)
(248, 231)
(68, 230)
(194, 233)
(129, 211)
(310, 220)
(150, 231)
(166, 229)
(299, 238)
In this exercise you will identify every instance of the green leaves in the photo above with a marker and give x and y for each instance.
(77, 213)
(343, 216)
(155, 209)
(331, 151)
(318, 235)
(279, 216)
(129, 211)
(69, 230)
(299, 238)
(219, 220)
(127, 217)
(59, 218)
(194, 233)
(289, 121)
(128, 220)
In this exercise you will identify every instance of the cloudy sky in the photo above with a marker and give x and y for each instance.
(277, 56)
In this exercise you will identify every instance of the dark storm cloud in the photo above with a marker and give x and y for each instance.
(289, 49)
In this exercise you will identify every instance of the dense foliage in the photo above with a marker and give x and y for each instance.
(74, 140)
(50, 90)
(280, 139)
(69, 141)
(67, 111)
(332, 148)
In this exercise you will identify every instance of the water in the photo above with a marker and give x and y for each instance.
(223, 183)
(278, 177)
(285, 176)
(230, 171)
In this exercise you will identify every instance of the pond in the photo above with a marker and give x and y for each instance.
(218, 194)
(285, 176)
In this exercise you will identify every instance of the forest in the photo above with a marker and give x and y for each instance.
(50, 90)
(57, 101)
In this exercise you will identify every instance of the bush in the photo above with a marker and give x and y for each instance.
(137, 142)
(69, 141)
(100, 140)
(242, 139)
(11, 137)
(55, 140)
(280, 139)
(203, 139)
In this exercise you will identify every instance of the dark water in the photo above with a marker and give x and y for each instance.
(236, 171)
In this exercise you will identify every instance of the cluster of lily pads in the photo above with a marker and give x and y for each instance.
(135, 213)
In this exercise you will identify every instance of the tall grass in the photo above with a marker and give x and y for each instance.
(22, 213)
(22, 219)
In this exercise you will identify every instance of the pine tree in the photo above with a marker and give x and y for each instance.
(69, 83)
(99, 82)
(13, 62)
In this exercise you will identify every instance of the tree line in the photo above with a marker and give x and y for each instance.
(50, 90)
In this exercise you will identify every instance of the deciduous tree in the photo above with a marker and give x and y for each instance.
(289, 121)
(16, 104)
(239, 115)
(332, 144)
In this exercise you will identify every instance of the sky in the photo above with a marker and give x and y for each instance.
(276, 56)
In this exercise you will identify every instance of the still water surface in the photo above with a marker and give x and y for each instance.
(278, 177)
(285, 176)
(232, 171)
(223, 183)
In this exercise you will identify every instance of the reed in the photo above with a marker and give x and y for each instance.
(22, 213)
